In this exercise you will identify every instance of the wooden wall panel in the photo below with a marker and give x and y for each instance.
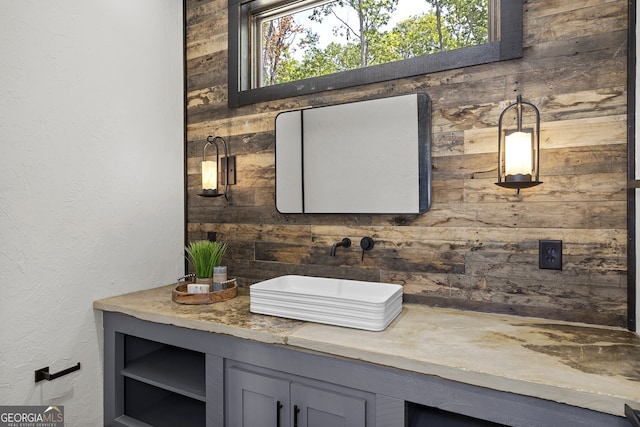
(477, 248)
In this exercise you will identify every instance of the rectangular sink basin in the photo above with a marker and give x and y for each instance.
(350, 303)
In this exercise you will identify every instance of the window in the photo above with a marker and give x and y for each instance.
(279, 49)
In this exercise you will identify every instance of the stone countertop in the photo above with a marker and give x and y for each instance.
(582, 365)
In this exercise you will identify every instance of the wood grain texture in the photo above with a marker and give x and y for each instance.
(477, 248)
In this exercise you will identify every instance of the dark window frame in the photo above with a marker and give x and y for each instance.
(509, 46)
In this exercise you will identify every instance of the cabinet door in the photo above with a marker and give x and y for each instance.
(256, 400)
(315, 407)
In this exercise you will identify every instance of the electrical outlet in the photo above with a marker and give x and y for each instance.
(550, 254)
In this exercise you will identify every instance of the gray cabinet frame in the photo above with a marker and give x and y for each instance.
(312, 398)
(391, 387)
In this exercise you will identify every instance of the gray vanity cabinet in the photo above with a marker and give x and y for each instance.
(314, 407)
(260, 398)
(255, 400)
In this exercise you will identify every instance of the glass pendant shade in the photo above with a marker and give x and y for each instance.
(518, 156)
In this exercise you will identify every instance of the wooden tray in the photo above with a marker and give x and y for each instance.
(181, 296)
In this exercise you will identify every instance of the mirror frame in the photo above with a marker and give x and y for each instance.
(365, 157)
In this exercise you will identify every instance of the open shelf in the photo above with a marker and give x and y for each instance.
(178, 370)
(421, 415)
(149, 405)
(162, 385)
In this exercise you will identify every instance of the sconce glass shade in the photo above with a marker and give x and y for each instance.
(519, 149)
(209, 175)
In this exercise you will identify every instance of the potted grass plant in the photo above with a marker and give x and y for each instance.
(204, 255)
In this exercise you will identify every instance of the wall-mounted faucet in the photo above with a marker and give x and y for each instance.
(345, 243)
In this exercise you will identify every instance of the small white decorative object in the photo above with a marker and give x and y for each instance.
(197, 288)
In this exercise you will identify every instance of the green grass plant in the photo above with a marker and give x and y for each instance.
(204, 255)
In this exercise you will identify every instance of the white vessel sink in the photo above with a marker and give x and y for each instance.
(350, 303)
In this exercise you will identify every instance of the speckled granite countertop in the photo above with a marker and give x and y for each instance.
(583, 365)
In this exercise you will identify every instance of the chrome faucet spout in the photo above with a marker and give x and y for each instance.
(346, 242)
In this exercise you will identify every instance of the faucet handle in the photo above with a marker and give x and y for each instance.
(366, 244)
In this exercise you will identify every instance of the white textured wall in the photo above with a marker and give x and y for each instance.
(91, 182)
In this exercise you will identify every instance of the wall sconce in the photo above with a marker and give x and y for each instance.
(210, 169)
(519, 150)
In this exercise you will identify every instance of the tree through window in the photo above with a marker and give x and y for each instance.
(320, 39)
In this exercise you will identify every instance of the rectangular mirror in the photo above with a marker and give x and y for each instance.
(369, 157)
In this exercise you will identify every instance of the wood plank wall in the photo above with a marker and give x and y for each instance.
(477, 248)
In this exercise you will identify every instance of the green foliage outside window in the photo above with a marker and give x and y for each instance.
(447, 25)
